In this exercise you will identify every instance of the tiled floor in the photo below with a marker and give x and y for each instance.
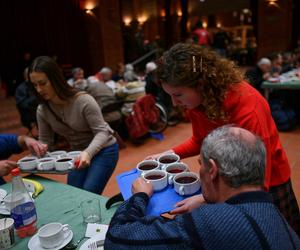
(132, 154)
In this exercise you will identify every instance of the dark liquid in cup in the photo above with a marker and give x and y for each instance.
(167, 160)
(147, 167)
(64, 160)
(45, 160)
(186, 179)
(154, 177)
(175, 171)
(26, 160)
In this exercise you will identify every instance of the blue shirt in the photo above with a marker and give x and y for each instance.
(8, 146)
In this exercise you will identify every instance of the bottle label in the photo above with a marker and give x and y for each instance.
(24, 214)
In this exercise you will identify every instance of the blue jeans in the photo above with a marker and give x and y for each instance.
(94, 177)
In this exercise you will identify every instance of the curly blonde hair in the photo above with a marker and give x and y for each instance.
(193, 66)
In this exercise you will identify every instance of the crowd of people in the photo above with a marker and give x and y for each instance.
(247, 195)
(279, 67)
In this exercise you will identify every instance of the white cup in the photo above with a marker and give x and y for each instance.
(74, 154)
(7, 236)
(53, 234)
(46, 163)
(9, 200)
(58, 154)
(167, 159)
(175, 168)
(28, 163)
(147, 165)
(64, 163)
(158, 179)
(186, 183)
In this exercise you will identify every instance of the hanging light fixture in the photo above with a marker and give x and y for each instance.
(273, 3)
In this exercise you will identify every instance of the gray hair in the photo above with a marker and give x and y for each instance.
(240, 160)
(105, 70)
(264, 61)
(76, 70)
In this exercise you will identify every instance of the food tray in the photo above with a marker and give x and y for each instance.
(159, 203)
(36, 171)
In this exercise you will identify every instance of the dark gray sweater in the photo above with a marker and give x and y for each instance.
(246, 221)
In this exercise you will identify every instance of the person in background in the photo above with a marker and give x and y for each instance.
(213, 91)
(261, 72)
(14, 144)
(78, 81)
(287, 62)
(106, 74)
(110, 107)
(119, 74)
(26, 104)
(129, 74)
(76, 116)
(220, 42)
(233, 211)
(201, 35)
(276, 60)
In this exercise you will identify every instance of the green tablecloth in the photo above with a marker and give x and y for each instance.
(61, 203)
(281, 85)
(269, 86)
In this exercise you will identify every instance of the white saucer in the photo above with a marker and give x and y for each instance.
(34, 243)
(3, 193)
(89, 241)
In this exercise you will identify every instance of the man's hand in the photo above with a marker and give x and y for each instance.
(188, 204)
(84, 160)
(140, 185)
(6, 166)
(34, 146)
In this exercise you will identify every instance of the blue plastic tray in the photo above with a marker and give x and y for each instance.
(160, 202)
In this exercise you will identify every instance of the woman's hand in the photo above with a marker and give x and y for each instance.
(84, 160)
(188, 204)
(6, 166)
(156, 156)
(35, 147)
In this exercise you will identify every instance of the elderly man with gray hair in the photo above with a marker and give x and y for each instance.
(261, 72)
(233, 211)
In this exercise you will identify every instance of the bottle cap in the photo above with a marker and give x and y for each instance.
(15, 172)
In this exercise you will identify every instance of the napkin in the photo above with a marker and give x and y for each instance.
(93, 228)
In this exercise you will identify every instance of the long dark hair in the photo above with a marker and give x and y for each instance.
(193, 66)
(47, 65)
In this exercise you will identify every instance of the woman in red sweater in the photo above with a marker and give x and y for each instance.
(214, 93)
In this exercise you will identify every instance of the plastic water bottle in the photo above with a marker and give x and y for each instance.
(22, 209)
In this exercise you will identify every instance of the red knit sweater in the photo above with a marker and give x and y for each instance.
(247, 109)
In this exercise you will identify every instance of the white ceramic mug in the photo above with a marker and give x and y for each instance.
(46, 163)
(58, 154)
(53, 234)
(7, 236)
(63, 164)
(167, 159)
(9, 200)
(158, 179)
(28, 163)
(186, 183)
(74, 154)
(147, 165)
(175, 168)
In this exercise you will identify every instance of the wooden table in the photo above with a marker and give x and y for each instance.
(61, 203)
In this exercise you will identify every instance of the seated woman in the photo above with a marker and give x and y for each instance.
(76, 116)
